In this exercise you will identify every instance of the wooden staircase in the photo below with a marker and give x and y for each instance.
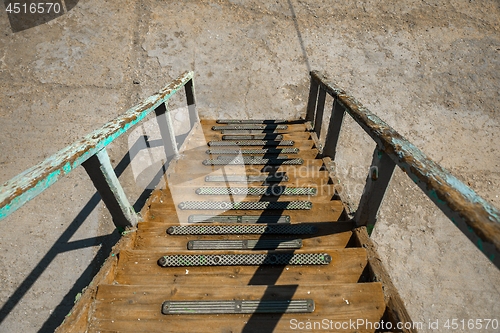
(326, 293)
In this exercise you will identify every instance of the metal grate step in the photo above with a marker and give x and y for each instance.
(274, 190)
(250, 127)
(186, 260)
(250, 121)
(239, 219)
(245, 205)
(250, 229)
(252, 131)
(245, 244)
(276, 151)
(246, 178)
(251, 160)
(228, 158)
(268, 136)
(252, 143)
(237, 307)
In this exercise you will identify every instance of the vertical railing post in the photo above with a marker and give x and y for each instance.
(320, 108)
(191, 102)
(103, 176)
(333, 134)
(311, 104)
(167, 132)
(378, 179)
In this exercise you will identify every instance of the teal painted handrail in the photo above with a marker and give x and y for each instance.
(474, 216)
(30, 183)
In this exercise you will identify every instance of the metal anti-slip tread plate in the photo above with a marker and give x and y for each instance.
(274, 190)
(245, 244)
(252, 131)
(269, 136)
(250, 127)
(250, 121)
(251, 160)
(245, 229)
(237, 307)
(245, 205)
(198, 218)
(184, 260)
(252, 143)
(275, 151)
(247, 178)
(277, 157)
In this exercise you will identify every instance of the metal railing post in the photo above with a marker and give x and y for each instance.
(191, 102)
(313, 96)
(103, 176)
(333, 134)
(378, 179)
(167, 132)
(320, 108)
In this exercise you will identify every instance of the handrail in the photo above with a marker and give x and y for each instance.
(30, 183)
(475, 217)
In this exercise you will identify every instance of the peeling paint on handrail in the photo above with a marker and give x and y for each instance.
(27, 185)
(459, 202)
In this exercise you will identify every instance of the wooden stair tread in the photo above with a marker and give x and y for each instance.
(199, 151)
(320, 212)
(217, 135)
(325, 193)
(153, 235)
(137, 266)
(310, 168)
(207, 127)
(137, 308)
(321, 178)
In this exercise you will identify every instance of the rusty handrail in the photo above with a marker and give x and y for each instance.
(476, 218)
(30, 183)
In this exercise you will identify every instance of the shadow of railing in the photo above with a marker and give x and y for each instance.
(63, 244)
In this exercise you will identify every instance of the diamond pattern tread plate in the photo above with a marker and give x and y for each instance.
(187, 260)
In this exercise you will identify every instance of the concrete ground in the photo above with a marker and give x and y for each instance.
(431, 69)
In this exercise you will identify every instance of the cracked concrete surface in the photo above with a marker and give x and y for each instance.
(430, 69)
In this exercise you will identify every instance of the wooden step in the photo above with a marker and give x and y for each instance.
(310, 168)
(216, 135)
(138, 308)
(324, 193)
(208, 124)
(202, 152)
(322, 178)
(154, 235)
(320, 212)
(138, 266)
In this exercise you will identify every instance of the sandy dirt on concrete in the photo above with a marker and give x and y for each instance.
(430, 69)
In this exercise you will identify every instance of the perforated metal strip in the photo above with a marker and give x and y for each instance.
(243, 178)
(237, 307)
(250, 127)
(245, 205)
(186, 260)
(265, 191)
(245, 244)
(245, 229)
(198, 218)
(252, 143)
(253, 151)
(253, 131)
(277, 157)
(250, 121)
(253, 161)
(253, 137)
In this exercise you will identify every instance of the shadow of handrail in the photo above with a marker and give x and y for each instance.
(63, 244)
